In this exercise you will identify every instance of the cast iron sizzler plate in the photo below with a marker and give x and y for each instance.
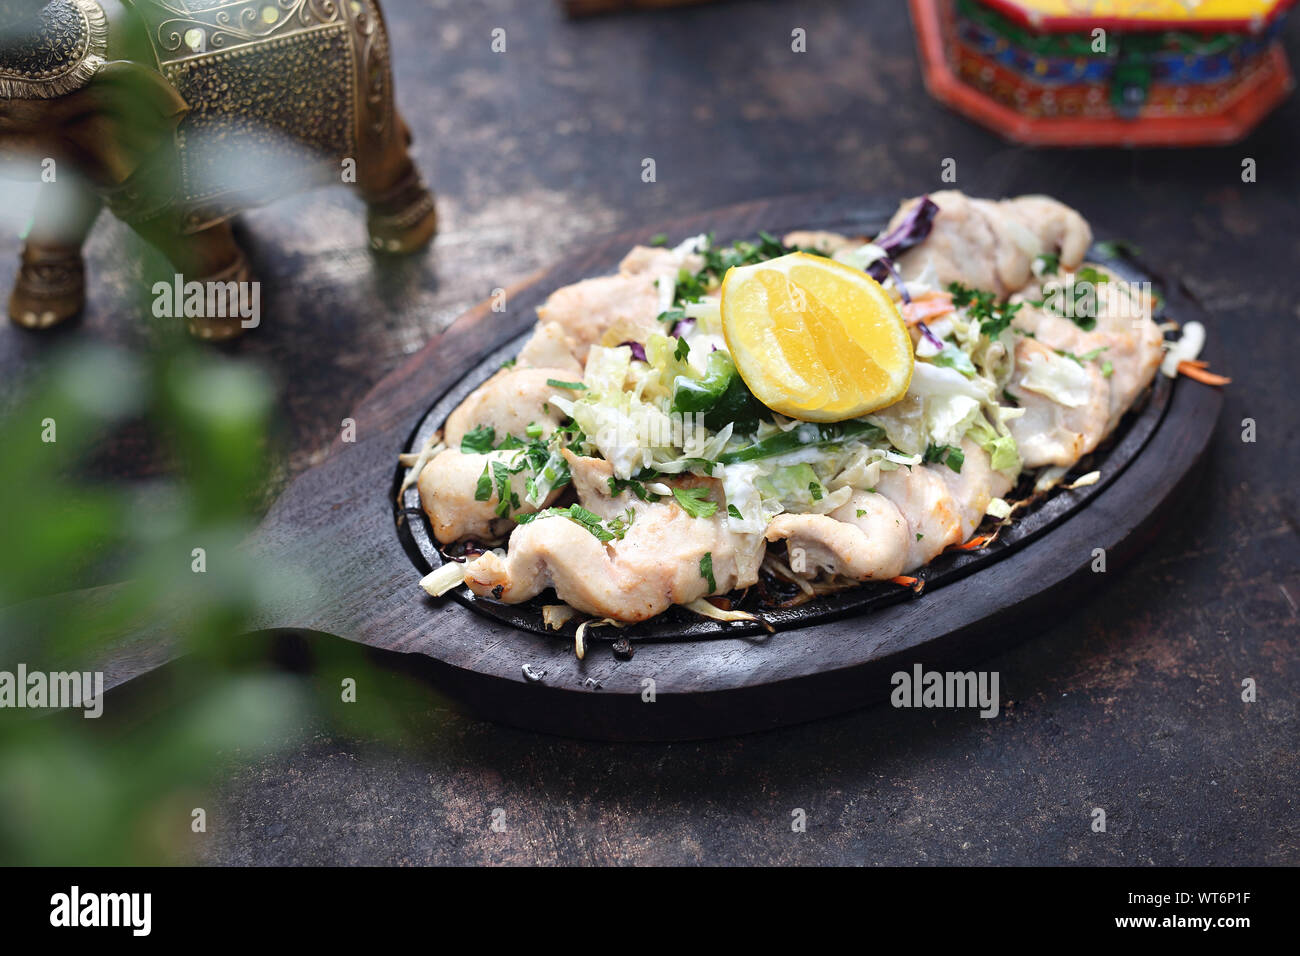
(691, 677)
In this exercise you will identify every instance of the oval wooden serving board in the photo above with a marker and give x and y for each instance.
(338, 520)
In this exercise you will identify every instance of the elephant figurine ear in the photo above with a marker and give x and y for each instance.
(49, 48)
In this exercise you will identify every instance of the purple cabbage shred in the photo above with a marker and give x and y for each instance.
(638, 350)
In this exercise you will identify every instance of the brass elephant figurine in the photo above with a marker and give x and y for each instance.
(177, 114)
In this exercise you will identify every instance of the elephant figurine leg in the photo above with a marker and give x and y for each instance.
(51, 284)
(400, 212)
(209, 256)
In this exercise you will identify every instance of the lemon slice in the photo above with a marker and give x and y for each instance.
(815, 339)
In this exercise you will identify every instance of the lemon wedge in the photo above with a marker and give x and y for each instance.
(815, 339)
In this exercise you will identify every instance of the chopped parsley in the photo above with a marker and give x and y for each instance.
(659, 240)
(671, 315)
(614, 529)
(919, 536)
(694, 502)
(735, 512)
(815, 490)
(994, 317)
(495, 479)
(479, 440)
(694, 286)
(949, 455)
(1107, 369)
(1047, 264)
(706, 571)
(683, 349)
(618, 485)
(862, 513)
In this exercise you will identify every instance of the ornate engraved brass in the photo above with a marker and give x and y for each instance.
(204, 108)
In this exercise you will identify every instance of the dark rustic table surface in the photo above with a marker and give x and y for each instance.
(1130, 702)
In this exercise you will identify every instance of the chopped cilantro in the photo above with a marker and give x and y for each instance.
(706, 571)
(506, 497)
(862, 513)
(479, 440)
(618, 486)
(815, 490)
(735, 512)
(1107, 369)
(659, 240)
(483, 490)
(575, 386)
(615, 528)
(949, 455)
(694, 502)
(1047, 264)
(994, 317)
(919, 536)
(683, 349)
(694, 286)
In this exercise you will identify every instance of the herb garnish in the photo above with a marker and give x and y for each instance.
(478, 440)
(994, 317)
(614, 529)
(694, 502)
(706, 571)
(949, 455)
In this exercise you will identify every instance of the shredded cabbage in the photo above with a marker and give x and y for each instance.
(1063, 380)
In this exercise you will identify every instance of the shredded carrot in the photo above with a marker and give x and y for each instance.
(1200, 374)
(1199, 363)
(977, 542)
(914, 583)
(927, 307)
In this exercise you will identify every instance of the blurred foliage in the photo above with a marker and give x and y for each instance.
(121, 788)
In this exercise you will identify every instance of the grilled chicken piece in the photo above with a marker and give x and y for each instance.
(509, 402)
(873, 536)
(550, 347)
(864, 539)
(1125, 332)
(974, 486)
(1050, 432)
(991, 245)
(655, 565)
(447, 485)
(933, 515)
(629, 301)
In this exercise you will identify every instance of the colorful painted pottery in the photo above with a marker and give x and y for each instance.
(1106, 72)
